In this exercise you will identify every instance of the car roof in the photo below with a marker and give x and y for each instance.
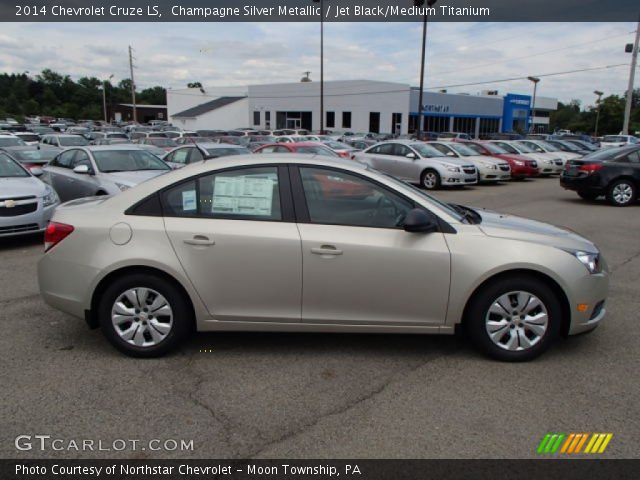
(117, 146)
(216, 145)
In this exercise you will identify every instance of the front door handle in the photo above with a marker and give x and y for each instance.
(326, 250)
(199, 240)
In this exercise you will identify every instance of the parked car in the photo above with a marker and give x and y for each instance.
(540, 146)
(570, 147)
(196, 152)
(521, 166)
(313, 148)
(448, 136)
(10, 140)
(359, 144)
(340, 148)
(107, 135)
(64, 140)
(547, 165)
(41, 129)
(583, 144)
(136, 135)
(418, 163)
(106, 170)
(233, 140)
(613, 172)
(166, 144)
(26, 204)
(31, 156)
(618, 141)
(29, 138)
(236, 245)
(490, 169)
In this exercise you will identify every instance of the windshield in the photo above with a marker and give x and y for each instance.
(42, 156)
(564, 146)
(72, 141)
(614, 139)
(551, 147)
(161, 142)
(447, 135)
(462, 150)
(117, 135)
(225, 152)
(318, 151)
(127, 161)
(9, 168)
(426, 151)
(523, 148)
(11, 142)
(493, 148)
(29, 138)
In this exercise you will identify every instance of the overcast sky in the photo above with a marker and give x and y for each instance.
(173, 54)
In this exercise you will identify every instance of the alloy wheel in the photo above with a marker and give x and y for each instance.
(430, 180)
(142, 317)
(516, 321)
(622, 193)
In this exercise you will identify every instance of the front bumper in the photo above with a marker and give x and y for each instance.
(450, 179)
(590, 290)
(522, 171)
(30, 223)
(491, 175)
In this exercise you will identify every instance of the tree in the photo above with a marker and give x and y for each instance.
(194, 85)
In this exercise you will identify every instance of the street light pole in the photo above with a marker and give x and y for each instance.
(321, 65)
(632, 72)
(599, 94)
(425, 21)
(535, 81)
(104, 99)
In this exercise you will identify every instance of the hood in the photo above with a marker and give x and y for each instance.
(455, 161)
(518, 228)
(21, 187)
(135, 177)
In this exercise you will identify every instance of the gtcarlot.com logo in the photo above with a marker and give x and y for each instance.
(573, 443)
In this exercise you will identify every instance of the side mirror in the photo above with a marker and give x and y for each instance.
(36, 171)
(82, 170)
(420, 221)
(451, 154)
(411, 155)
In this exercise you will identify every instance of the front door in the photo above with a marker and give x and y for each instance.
(294, 123)
(236, 240)
(360, 266)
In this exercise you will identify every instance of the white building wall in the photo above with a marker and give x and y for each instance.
(179, 100)
(234, 115)
(360, 97)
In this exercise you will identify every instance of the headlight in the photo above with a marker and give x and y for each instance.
(453, 169)
(548, 161)
(50, 197)
(590, 260)
(518, 162)
(122, 186)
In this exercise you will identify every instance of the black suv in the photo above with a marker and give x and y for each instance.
(613, 172)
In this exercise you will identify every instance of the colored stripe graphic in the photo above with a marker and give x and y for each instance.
(598, 443)
(572, 443)
(550, 443)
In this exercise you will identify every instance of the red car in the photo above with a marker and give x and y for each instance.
(521, 165)
(328, 187)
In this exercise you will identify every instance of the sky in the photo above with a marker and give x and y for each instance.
(235, 54)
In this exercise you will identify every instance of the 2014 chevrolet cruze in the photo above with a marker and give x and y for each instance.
(295, 243)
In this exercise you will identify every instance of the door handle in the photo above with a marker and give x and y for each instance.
(199, 240)
(326, 250)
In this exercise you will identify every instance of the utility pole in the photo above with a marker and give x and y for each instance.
(599, 94)
(425, 21)
(632, 72)
(133, 86)
(321, 65)
(535, 81)
(104, 99)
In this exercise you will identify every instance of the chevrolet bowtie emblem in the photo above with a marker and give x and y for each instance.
(9, 203)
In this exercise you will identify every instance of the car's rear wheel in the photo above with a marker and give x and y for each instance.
(514, 319)
(588, 195)
(430, 180)
(621, 193)
(144, 315)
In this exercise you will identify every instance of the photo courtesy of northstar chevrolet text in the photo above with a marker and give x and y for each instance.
(278, 239)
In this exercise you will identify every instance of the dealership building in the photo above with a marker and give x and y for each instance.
(354, 105)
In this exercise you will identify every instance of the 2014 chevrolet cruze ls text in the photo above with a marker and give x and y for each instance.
(309, 243)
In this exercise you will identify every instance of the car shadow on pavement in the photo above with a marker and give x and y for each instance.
(22, 241)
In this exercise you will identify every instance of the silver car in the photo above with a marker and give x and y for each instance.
(101, 170)
(418, 163)
(26, 204)
(548, 164)
(490, 169)
(196, 152)
(301, 243)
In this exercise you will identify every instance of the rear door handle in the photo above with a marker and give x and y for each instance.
(326, 250)
(199, 240)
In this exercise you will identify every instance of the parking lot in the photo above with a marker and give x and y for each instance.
(323, 395)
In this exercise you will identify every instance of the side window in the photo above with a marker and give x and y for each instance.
(180, 156)
(245, 194)
(269, 149)
(634, 157)
(281, 149)
(65, 159)
(195, 155)
(401, 150)
(340, 198)
(442, 149)
(384, 149)
(80, 158)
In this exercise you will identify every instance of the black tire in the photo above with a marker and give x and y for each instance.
(177, 300)
(430, 179)
(588, 195)
(614, 199)
(478, 309)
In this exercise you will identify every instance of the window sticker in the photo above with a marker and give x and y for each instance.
(189, 201)
(248, 195)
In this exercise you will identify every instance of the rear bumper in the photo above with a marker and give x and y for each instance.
(589, 183)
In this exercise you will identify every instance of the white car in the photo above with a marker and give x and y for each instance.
(490, 169)
(540, 146)
(450, 136)
(10, 140)
(29, 138)
(617, 141)
(418, 163)
(548, 165)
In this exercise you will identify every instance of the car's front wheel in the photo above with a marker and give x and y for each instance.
(621, 193)
(430, 180)
(514, 319)
(144, 315)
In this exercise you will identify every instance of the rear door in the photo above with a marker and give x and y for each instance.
(235, 236)
(59, 175)
(381, 157)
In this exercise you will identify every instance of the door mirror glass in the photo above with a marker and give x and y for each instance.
(420, 221)
(411, 155)
(36, 171)
(82, 170)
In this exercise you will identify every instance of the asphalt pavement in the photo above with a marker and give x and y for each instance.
(274, 395)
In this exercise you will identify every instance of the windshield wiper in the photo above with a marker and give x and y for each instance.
(470, 215)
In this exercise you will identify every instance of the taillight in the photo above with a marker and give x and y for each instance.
(55, 233)
(590, 168)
